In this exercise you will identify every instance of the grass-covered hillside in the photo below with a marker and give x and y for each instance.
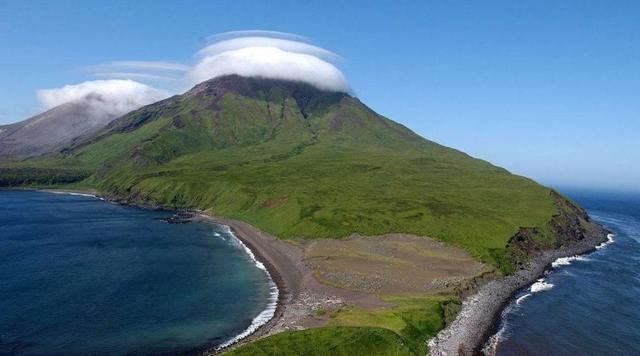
(299, 163)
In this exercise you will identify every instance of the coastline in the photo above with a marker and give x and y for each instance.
(279, 260)
(479, 317)
(272, 303)
(299, 292)
(276, 258)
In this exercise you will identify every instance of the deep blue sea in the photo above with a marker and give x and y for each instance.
(80, 276)
(589, 305)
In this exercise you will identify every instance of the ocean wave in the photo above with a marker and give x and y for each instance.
(491, 347)
(609, 241)
(565, 261)
(540, 286)
(522, 298)
(272, 302)
(74, 193)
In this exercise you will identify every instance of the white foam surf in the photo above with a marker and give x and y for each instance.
(491, 347)
(540, 286)
(522, 298)
(272, 303)
(566, 261)
(610, 240)
(75, 193)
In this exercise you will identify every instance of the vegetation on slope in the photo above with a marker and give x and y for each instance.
(301, 163)
(414, 319)
(399, 330)
(340, 340)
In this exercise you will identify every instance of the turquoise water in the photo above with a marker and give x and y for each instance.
(80, 276)
(591, 305)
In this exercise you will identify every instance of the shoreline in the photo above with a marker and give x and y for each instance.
(255, 244)
(477, 321)
(479, 318)
(491, 343)
(260, 245)
(269, 311)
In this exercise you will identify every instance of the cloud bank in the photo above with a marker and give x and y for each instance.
(150, 71)
(266, 54)
(268, 57)
(270, 62)
(109, 97)
(295, 46)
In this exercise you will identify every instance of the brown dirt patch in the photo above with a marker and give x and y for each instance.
(391, 264)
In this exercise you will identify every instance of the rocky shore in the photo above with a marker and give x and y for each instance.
(481, 311)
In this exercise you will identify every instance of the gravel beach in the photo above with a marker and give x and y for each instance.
(469, 331)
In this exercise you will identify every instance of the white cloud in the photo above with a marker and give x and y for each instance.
(109, 97)
(134, 75)
(149, 71)
(269, 58)
(283, 44)
(254, 33)
(151, 65)
(158, 66)
(267, 54)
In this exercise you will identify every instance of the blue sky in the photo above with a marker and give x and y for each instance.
(546, 89)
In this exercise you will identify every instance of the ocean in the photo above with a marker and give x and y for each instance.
(81, 276)
(587, 305)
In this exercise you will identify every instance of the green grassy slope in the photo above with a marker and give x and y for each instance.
(400, 330)
(340, 340)
(301, 163)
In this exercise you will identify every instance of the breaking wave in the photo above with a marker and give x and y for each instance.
(491, 347)
(522, 298)
(272, 303)
(540, 286)
(566, 261)
(609, 241)
(75, 194)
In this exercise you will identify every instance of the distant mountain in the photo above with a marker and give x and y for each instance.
(52, 130)
(300, 162)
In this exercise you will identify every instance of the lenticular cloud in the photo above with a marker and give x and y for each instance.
(111, 97)
(267, 57)
(265, 54)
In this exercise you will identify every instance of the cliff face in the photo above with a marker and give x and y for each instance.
(569, 226)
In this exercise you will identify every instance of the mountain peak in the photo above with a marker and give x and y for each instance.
(258, 87)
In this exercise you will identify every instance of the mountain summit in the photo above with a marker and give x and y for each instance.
(300, 162)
